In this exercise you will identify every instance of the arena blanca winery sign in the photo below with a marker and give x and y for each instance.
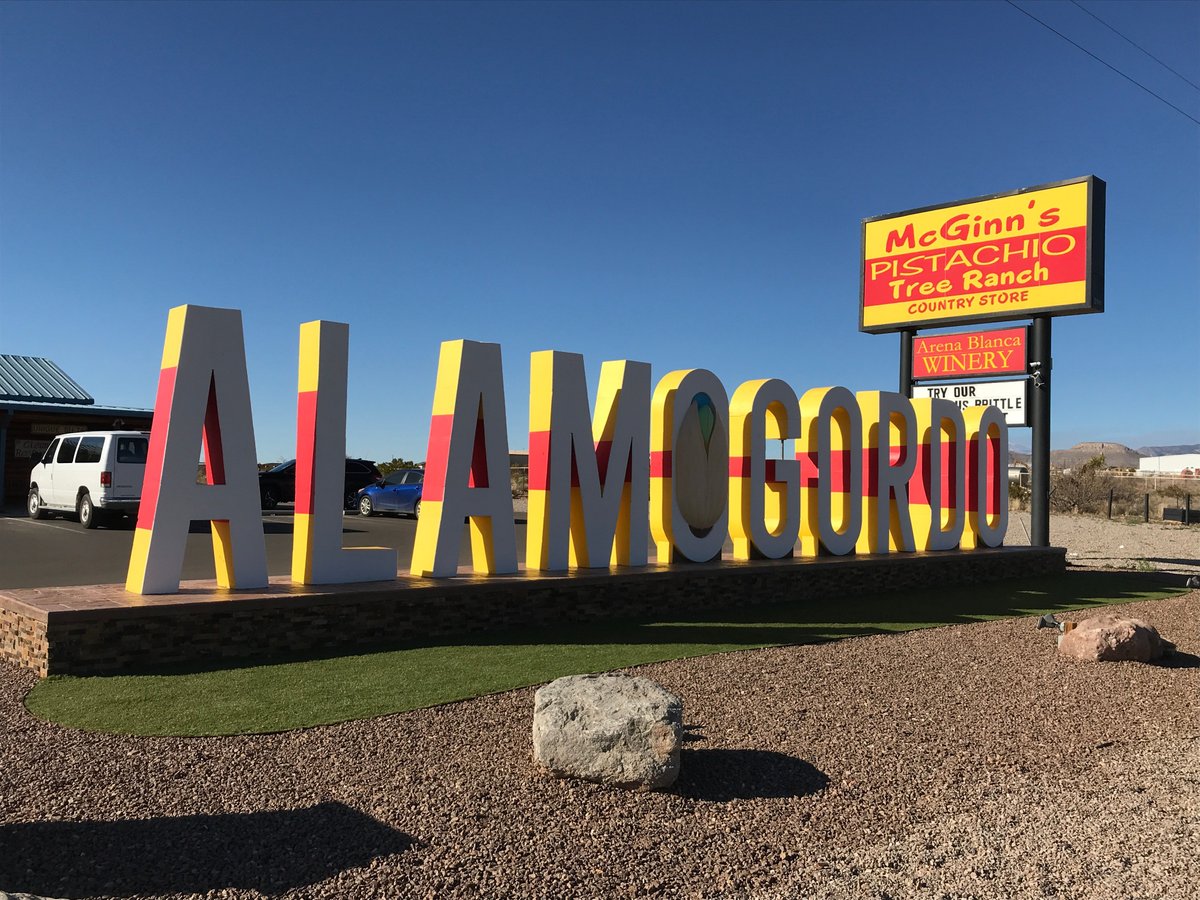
(680, 462)
(970, 354)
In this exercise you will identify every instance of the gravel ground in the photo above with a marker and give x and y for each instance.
(1110, 544)
(968, 761)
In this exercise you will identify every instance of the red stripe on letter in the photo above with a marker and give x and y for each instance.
(660, 463)
(306, 440)
(154, 453)
(539, 460)
(437, 457)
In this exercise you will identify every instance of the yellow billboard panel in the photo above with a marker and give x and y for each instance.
(1037, 251)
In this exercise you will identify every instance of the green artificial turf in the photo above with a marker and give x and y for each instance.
(282, 696)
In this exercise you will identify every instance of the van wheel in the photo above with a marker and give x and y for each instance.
(87, 512)
(269, 500)
(36, 510)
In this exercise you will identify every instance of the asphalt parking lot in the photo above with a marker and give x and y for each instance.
(59, 551)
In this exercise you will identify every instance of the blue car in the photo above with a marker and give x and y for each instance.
(399, 492)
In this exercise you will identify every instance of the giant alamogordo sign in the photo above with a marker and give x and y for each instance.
(683, 463)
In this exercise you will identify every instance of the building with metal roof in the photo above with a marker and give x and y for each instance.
(33, 379)
(38, 400)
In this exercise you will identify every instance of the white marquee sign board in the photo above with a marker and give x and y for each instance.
(1010, 397)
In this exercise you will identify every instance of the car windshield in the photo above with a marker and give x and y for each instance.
(282, 467)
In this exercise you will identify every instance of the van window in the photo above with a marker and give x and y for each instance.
(90, 449)
(50, 451)
(132, 449)
(66, 450)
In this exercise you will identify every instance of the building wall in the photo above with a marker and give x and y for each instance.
(28, 433)
(1169, 465)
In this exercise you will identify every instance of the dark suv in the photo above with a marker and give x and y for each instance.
(278, 485)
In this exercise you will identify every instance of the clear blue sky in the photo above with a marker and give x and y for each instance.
(676, 183)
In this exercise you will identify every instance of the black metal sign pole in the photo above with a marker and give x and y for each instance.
(1039, 409)
(906, 347)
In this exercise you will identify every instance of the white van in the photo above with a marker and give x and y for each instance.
(89, 473)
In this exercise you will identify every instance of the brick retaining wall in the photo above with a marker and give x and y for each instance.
(103, 630)
(23, 638)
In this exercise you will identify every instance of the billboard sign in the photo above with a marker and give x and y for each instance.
(1036, 251)
(1010, 397)
(970, 353)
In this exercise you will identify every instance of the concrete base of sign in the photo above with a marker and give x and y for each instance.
(104, 630)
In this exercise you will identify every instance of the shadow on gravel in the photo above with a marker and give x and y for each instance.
(268, 852)
(1179, 660)
(723, 775)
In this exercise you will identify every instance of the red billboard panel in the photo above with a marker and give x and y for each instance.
(970, 353)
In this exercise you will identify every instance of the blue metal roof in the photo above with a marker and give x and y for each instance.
(33, 379)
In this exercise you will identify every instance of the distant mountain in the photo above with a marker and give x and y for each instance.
(1174, 450)
(1115, 455)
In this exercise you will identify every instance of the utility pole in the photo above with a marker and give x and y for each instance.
(1039, 403)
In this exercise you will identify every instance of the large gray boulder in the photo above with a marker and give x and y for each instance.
(1111, 638)
(612, 729)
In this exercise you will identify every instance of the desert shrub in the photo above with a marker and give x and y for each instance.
(519, 480)
(1129, 498)
(1018, 495)
(1082, 490)
(387, 468)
